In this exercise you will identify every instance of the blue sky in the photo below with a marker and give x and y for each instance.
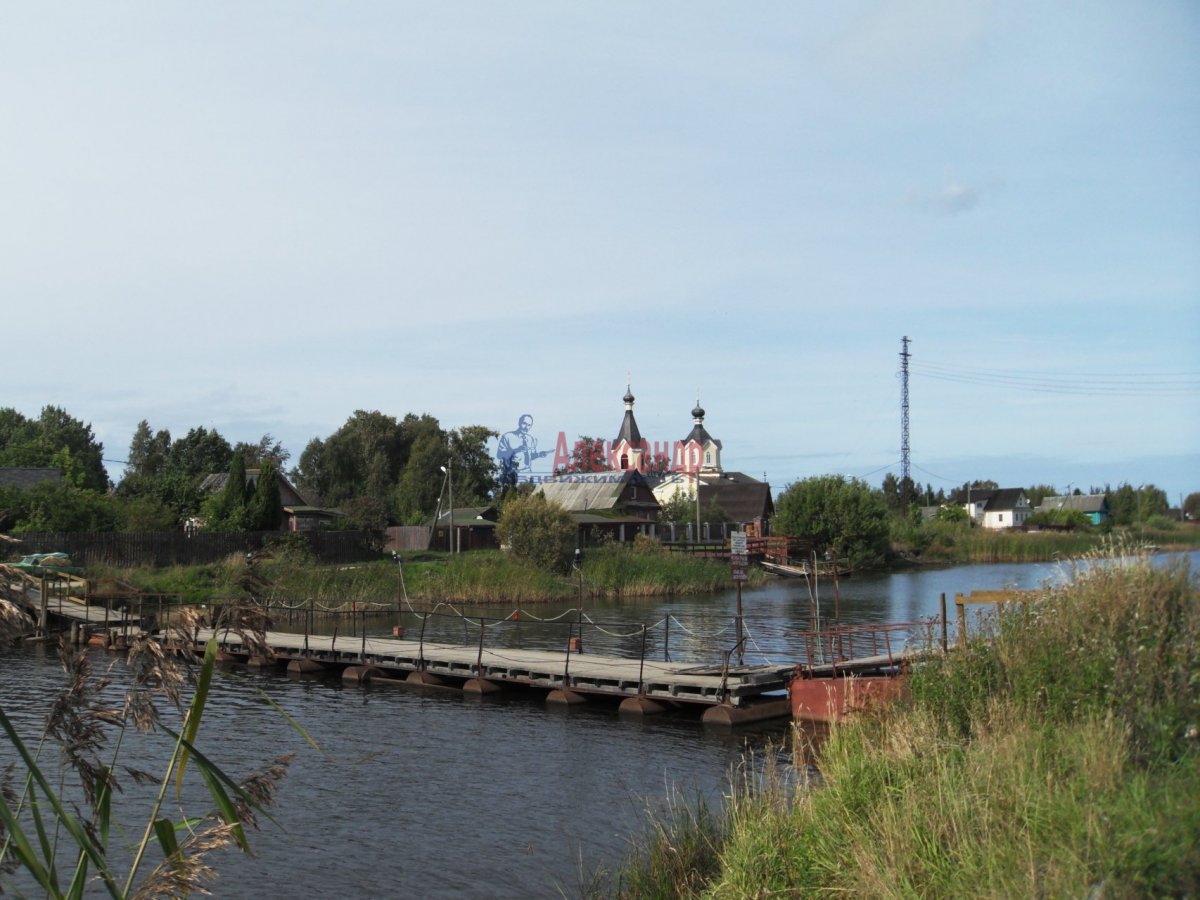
(262, 217)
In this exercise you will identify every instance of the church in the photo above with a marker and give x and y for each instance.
(626, 496)
(696, 463)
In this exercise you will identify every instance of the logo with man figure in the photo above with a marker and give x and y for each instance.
(517, 451)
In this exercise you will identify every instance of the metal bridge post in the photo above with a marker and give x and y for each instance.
(421, 649)
(479, 656)
(642, 662)
(567, 664)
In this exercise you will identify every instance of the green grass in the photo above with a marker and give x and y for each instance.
(480, 577)
(951, 542)
(1058, 755)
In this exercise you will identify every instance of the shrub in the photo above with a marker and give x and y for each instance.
(539, 531)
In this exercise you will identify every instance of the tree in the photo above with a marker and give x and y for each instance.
(264, 510)
(198, 453)
(680, 508)
(833, 511)
(586, 456)
(475, 470)
(267, 448)
(226, 510)
(1040, 492)
(1191, 506)
(420, 486)
(536, 530)
(148, 452)
(59, 506)
(362, 458)
(891, 492)
(53, 439)
(1129, 505)
(61, 432)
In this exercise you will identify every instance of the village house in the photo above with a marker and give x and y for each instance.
(1094, 506)
(298, 513)
(25, 477)
(997, 509)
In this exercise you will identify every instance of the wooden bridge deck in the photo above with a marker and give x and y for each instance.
(582, 673)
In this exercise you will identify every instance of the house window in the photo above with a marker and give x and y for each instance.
(624, 460)
(708, 457)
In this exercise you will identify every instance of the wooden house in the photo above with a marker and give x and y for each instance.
(1094, 506)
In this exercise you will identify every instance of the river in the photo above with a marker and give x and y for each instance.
(437, 795)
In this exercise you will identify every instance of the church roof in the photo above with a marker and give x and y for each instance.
(699, 433)
(629, 430)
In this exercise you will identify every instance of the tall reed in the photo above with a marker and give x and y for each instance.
(1057, 755)
(59, 817)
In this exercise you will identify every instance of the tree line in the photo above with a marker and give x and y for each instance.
(861, 523)
(377, 470)
(374, 470)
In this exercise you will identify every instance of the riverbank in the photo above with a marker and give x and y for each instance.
(1057, 756)
(481, 577)
(954, 543)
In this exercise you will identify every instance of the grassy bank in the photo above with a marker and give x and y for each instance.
(958, 543)
(479, 577)
(1057, 756)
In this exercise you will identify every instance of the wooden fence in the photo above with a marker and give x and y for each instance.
(174, 548)
(409, 537)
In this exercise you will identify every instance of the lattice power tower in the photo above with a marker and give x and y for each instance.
(904, 355)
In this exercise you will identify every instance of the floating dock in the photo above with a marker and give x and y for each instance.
(732, 694)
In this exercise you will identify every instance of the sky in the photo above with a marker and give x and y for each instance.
(262, 217)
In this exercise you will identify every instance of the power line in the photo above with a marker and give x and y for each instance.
(1132, 384)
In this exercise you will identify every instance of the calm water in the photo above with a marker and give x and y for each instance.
(441, 795)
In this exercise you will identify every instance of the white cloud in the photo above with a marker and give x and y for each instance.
(951, 200)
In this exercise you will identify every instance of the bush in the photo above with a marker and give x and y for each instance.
(538, 531)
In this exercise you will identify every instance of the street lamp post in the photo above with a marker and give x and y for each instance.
(450, 482)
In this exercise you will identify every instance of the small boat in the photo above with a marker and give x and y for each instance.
(804, 570)
(48, 564)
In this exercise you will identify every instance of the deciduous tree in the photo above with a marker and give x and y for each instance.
(842, 513)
